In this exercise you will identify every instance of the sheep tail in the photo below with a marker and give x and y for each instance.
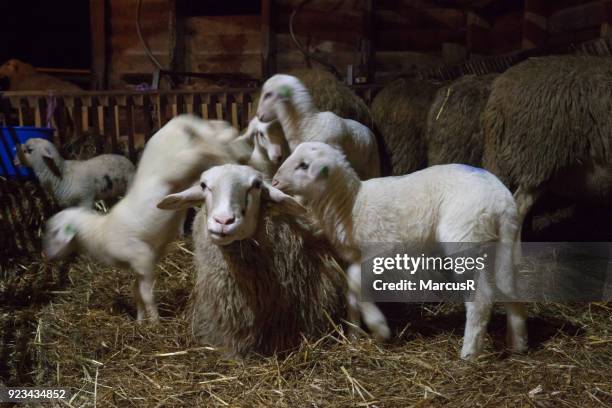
(508, 253)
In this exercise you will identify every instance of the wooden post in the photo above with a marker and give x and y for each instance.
(368, 48)
(176, 33)
(535, 24)
(98, 14)
(606, 22)
(477, 38)
(268, 40)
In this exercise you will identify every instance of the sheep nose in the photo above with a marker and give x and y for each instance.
(225, 220)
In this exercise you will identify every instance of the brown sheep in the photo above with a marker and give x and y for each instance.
(454, 125)
(548, 126)
(400, 117)
(24, 77)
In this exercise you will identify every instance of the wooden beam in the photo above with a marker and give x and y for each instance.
(368, 48)
(606, 23)
(268, 39)
(535, 23)
(98, 14)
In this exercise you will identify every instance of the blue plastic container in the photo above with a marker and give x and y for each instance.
(8, 136)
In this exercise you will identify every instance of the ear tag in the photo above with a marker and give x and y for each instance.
(69, 229)
(284, 91)
(324, 171)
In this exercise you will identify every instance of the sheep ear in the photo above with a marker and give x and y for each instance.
(191, 197)
(48, 158)
(285, 202)
(319, 169)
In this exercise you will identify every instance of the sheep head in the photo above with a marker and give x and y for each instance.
(60, 232)
(39, 150)
(232, 195)
(278, 90)
(308, 170)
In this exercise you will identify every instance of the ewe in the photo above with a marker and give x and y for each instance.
(264, 279)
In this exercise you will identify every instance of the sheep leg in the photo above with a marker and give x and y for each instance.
(140, 310)
(372, 316)
(145, 268)
(478, 313)
(145, 287)
(516, 326)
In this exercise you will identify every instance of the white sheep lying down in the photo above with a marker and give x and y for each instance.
(76, 182)
(286, 99)
(449, 203)
(135, 232)
(264, 280)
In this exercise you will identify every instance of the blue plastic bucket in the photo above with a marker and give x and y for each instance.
(8, 136)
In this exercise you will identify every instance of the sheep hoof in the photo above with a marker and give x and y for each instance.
(381, 333)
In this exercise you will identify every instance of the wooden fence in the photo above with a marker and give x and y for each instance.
(91, 123)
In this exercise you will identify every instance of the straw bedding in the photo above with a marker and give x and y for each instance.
(73, 325)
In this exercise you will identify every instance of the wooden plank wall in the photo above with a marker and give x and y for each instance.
(406, 34)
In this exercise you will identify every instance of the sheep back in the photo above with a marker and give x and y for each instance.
(547, 114)
(400, 117)
(454, 124)
(262, 295)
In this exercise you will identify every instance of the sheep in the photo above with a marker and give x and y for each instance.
(424, 207)
(135, 232)
(76, 182)
(269, 146)
(22, 76)
(547, 127)
(454, 125)
(330, 94)
(285, 98)
(264, 279)
(400, 116)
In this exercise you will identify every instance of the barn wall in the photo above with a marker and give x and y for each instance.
(407, 35)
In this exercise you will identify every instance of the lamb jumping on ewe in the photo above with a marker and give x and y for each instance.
(285, 98)
(135, 232)
(264, 280)
(76, 182)
(450, 203)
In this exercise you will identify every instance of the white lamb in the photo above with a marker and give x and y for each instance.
(135, 232)
(450, 203)
(285, 98)
(269, 146)
(76, 182)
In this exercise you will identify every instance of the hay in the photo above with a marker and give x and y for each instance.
(400, 116)
(454, 127)
(85, 338)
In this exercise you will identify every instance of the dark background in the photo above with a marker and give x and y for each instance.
(46, 33)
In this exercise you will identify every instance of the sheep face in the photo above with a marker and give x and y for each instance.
(277, 90)
(38, 150)
(307, 171)
(270, 139)
(232, 195)
(60, 231)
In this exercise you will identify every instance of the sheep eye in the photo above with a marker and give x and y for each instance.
(203, 185)
(256, 183)
(267, 95)
(302, 165)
